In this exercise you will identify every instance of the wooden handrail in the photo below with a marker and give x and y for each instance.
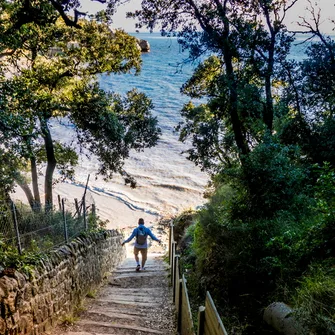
(209, 322)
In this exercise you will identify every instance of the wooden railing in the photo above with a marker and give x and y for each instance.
(209, 321)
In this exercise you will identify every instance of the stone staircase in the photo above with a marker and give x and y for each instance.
(130, 303)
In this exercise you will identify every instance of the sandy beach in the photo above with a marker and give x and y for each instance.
(119, 214)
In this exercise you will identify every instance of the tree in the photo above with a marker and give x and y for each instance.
(41, 13)
(53, 75)
(249, 40)
(309, 93)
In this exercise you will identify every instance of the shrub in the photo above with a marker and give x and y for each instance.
(181, 223)
(273, 179)
(315, 300)
(262, 228)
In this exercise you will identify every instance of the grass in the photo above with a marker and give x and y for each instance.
(91, 294)
(315, 301)
(69, 320)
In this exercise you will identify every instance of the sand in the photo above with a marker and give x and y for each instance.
(119, 214)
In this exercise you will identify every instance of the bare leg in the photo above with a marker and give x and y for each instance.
(144, 253)
(136, 251)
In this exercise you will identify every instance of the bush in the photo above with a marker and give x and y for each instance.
(181, 223)
(315, 301)
(10, 258)
(262, 228)
(273, 179)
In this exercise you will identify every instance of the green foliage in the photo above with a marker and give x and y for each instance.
(315, 300)
(181, 223)
(247, 258)
(248, 45)
(39, 233)
(265, 123)
(310, 121)
(53, 75)
(319, 74)
(325, 190)
(95, 222)
(69, 319)
(66, 157)
(318, 242)
(210, 125)
(10, 258)
(274, 178)
(110, 126)
(91, 294)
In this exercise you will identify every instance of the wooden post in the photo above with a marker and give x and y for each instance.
(77, 207)
(170, 243)
(201, 320)
(16, 226)
(173, 254)
(64, 223)
(84, 213)
(88, 178)
(175, 269)
(93, 211)
(59, 203)
(172, 264)
(180, 305)
(215, 322)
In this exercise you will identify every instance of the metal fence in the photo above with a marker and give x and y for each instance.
(209, 321)
(38, 229)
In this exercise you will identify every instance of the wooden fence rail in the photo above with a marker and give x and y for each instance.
(209, 321)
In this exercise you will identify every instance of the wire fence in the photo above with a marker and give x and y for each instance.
(38, 229)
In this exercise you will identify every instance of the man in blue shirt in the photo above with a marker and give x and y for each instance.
(141, 245)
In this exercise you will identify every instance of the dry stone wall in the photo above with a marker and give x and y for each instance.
(32, 304)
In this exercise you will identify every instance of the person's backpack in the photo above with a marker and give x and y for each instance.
(141, 236)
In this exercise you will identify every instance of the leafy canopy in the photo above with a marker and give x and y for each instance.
(51, 73)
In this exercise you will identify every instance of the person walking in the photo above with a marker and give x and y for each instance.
(141, 244)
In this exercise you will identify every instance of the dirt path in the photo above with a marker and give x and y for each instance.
(130, 302)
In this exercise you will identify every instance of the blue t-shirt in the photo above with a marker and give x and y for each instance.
(134, 234)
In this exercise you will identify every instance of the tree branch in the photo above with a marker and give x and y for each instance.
(66, 19)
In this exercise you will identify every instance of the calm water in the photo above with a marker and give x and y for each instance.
(162, 75)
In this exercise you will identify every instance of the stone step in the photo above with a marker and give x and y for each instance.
(156, 297)
(152, 268)
(129, 303)
(111, 328)
(132, 313)
(134, 291)
(140, 274)
(116, 315)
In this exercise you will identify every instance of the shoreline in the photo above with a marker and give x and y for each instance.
(118, 213)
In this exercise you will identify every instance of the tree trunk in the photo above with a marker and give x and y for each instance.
(235, 119)
(35, 183)
(51, 164)
(273, 30)
(268, 112)
(26, 189)
(224, 44)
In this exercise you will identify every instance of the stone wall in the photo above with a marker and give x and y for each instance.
(30, 305)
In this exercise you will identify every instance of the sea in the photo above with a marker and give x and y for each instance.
(167, 182)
